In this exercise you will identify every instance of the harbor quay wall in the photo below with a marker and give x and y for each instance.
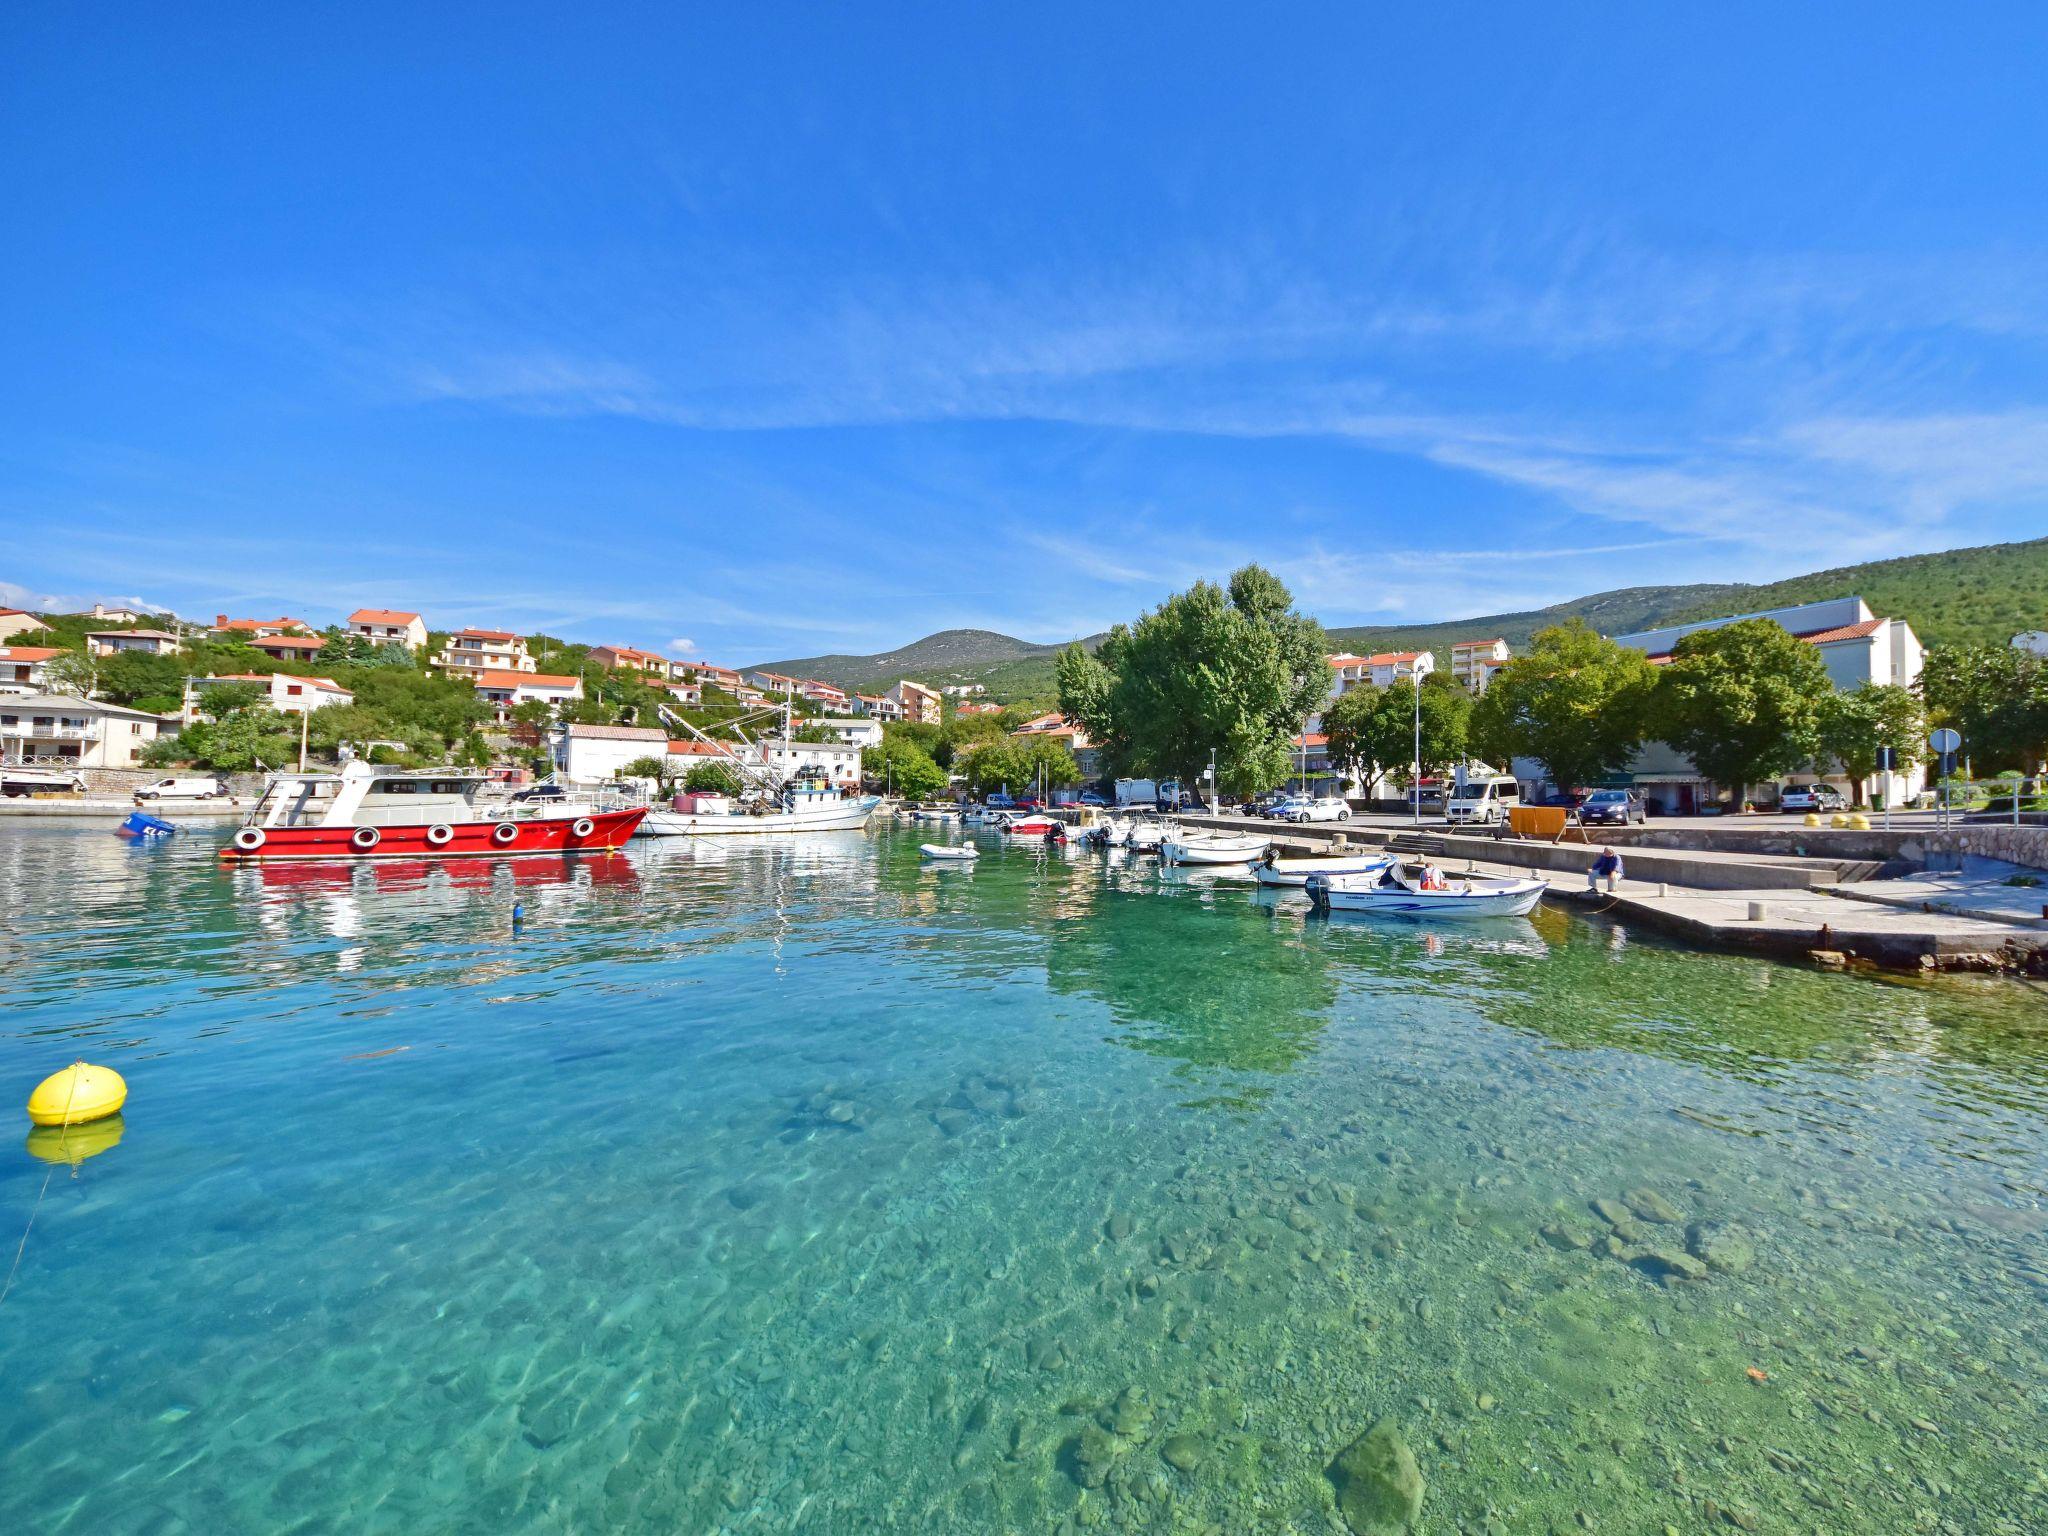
(2022, 845)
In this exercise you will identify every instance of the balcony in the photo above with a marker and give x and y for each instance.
(23, 730)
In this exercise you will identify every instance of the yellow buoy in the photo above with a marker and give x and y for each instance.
(81, 1092)
(73, 1144)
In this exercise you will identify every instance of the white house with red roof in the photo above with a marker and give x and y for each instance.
(289, 647)
(506, 690)
(259, 629)
(470, 652)
(822, 693)
(25, 668)
(149, 642)
(1058, 727)
(875, 706)
(1473, 663)
(19, 621)
(290, 695)
(631, 659)
(388, 626)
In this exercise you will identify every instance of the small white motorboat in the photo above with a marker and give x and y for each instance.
(1212, 848)
(1405, 890)
(1146, 836)
(1295, 873)
(943, 852)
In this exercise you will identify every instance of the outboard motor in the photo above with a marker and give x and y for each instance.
(1318, 888)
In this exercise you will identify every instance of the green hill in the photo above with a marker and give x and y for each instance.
(1959, 596)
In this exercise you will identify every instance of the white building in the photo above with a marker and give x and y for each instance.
(689, 695)
(74, 733)
(291, 695)
(26, 668)
(19, 621)
(150, 642)
(1473, 663)
(629, 659)
(917, 702)
(471, 651)
(822, 693)
(875, 706)
(1855, 645)
(388, 626)
(855, 732)
(594, 754)
(835, 763)
(506, 691)
(107, 615)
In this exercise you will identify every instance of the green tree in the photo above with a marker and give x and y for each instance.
(1855, 723)
(649, 767)
(253, 738)
(1444, 710)
(1020, 764)
(905, 767)
(1351, 742)
(713, 779)
(1576, 702)
(1232, 672)
(128, 677)
(446, 707)
(1997, 697)
(222, 699)
(820, 734)
(1743, 702)
(71, 672)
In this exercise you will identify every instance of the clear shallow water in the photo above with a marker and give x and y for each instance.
(800, 1187)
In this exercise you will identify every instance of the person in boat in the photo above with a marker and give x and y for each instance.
(1607, 867)
(1432, 878)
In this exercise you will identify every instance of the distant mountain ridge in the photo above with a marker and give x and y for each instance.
(1986, 593)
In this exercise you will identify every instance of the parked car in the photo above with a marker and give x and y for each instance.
(1613, 808)
(539, 792)
(1811, 797)
(1089, 797)
(1030, 803)
(999, 801)
(1320, 808)
(182, 789)
(1563, 799)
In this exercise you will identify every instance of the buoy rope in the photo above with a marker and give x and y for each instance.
(22, 1247)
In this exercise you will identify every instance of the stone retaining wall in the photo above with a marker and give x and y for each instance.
(2025, 846)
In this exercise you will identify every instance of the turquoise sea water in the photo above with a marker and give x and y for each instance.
(798, 1187)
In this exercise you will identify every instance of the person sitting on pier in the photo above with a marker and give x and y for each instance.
(1607, 867)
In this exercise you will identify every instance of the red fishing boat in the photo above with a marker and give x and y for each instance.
(365, 812)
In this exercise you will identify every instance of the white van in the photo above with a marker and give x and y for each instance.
(182, 789)
(1482, 800)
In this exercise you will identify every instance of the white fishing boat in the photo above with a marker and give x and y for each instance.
(1295, 873)
(1407, 890)
(1212, 847)
(949, 853)
(771, 802)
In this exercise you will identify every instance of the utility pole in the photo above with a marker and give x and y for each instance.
(1415, 778)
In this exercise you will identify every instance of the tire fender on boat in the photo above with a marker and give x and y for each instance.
(363, 839)
(582, 826)
(440, 835)
(249, 839)
(504, 833)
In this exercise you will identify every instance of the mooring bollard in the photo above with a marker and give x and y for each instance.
(1758, 911)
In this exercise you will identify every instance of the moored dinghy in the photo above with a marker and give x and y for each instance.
(943, 853)
(1212, 848)
(1296, 873)
(1406, 890)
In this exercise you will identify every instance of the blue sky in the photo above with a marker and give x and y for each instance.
(769, 330)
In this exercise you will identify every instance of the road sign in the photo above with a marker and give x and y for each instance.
(1945, 740)
(1887, 759)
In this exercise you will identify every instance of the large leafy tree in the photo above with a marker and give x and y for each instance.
(905, 767)
(1743, 701)
(254, 738)
(1858, 721)
(1576, 702)
(1444, 710)
(1351, 742)
(713, 779)
(1235, 672)
(1020, 764)
(1996, 696)
(138, 678)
